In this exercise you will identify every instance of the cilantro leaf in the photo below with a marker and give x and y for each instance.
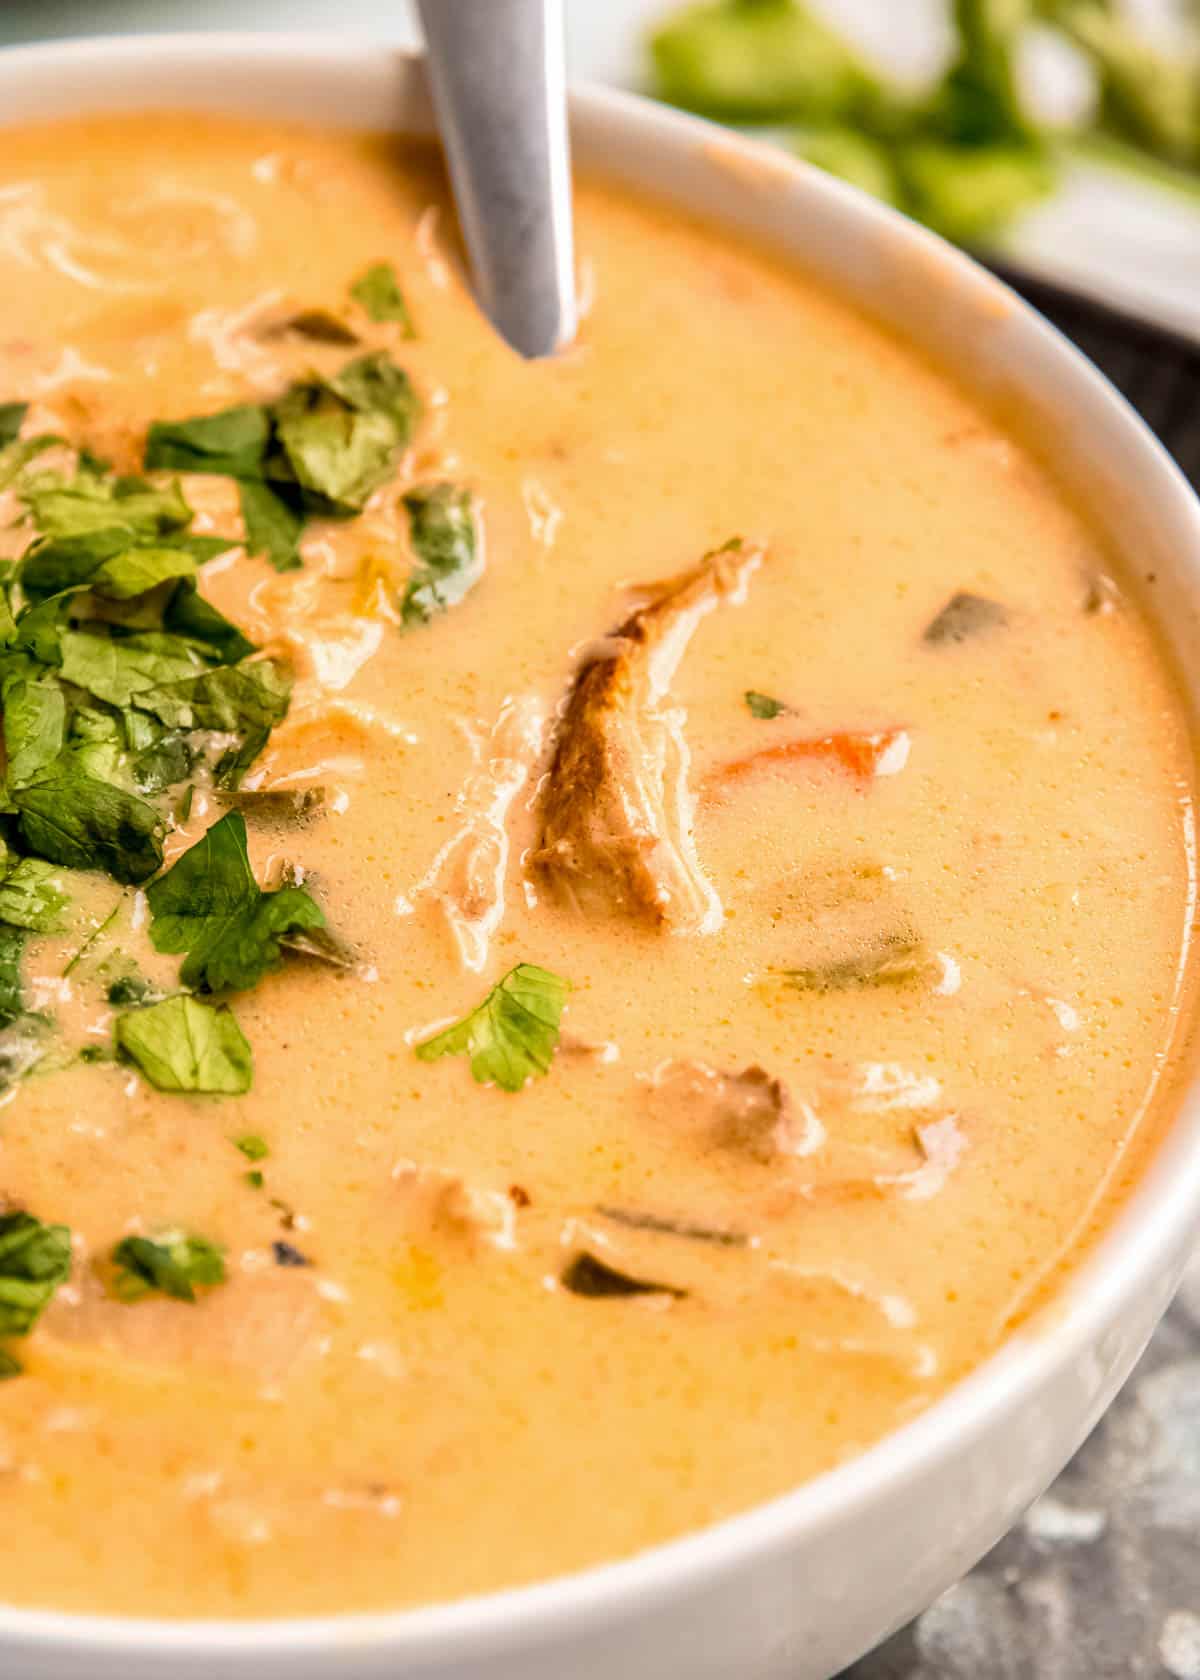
(31, 894)
(320, 326)
(763, 705)
(338, 457)
(34, 1260)
(12, 990)
(16, 456)
(51, 566)
(245, 700)
(120, 669)
(93, 502)
(38, 629)
(233, 441)
(91, 518)
(167, 759)
(209, 905)
(513, 1034)
(272, 527)
(94, 745)
(35, 723)
(22, 1046)
(117, 563)
(446, 540)
(173, 1264)
(323, 447)
(182, 1044)
(339, 436)
(74, 819)
(12, 416)
(188, 614)
(135, 571)
(252, 1146)
(129, 987)
(378, 291)
(229, 698)
(373, 384)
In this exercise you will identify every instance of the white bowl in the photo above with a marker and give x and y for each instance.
(794, 1589)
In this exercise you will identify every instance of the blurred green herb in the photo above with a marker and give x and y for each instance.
(968, 154)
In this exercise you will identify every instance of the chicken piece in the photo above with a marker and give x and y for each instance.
(749, 1112)
(442, 1203)
(467, 878)
(615, 812)
(262, 1324)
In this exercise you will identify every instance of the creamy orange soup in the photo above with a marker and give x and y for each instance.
(602, 980)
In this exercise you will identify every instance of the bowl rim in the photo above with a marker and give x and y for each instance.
(1156, 1217)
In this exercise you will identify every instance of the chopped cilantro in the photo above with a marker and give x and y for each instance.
(112, 668)
(31, 901)
(15, 457)
(273, 527)
(75, 819)
(173, 1264)
(322, 448)
(22, 1046)
(12, 991)
(122, 670)
(31, 895)
(964, 615)
(182, 1044)
(209, 905)
(252, 1146)
(233, 442)
(132, 988)
(34, 1260)
(188, 614)
(512, 1036)
(762, 705)
(109, 512)
(446, 541)
(136, 571)
(171, 678)
(340, 436)
(254, 1179)
(35, 723)
(378, 291)
(12, 416)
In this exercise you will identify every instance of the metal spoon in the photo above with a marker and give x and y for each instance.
(499, 89)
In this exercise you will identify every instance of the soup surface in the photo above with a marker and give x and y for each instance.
(731, 693)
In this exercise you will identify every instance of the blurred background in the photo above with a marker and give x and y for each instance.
(1064, 134)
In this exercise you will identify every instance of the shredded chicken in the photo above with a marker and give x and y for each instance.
(443, 1203)
(615, 809)
(467, 878)
(264, 1324)
(747, 1112)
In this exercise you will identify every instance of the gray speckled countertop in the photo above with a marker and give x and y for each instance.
(1101, 1580)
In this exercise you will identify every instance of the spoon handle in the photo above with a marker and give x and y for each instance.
(499, 88)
